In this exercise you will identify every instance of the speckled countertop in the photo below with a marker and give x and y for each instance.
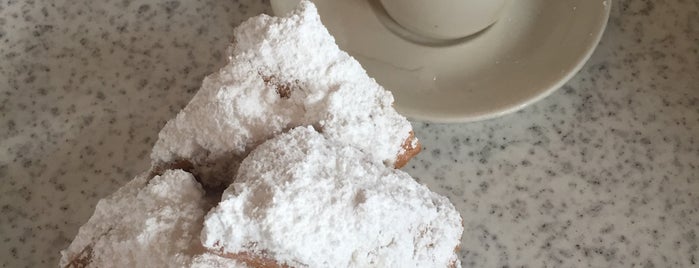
(603, 173)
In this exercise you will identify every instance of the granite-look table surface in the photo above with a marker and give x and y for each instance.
(603, 173)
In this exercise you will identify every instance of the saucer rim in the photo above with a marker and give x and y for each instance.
(517, 106)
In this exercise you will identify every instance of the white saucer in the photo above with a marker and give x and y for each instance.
(530, 52)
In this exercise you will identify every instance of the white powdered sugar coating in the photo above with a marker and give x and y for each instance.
(304, 200)
(146, 223)
(283, 72)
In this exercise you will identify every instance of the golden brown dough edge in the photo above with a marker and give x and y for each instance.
(409, 150)
(254, 260)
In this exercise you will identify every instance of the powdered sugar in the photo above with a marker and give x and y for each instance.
(307, 200)
(283, 72)
(152, 223)
(323, 195)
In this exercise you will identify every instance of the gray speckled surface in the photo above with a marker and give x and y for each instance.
(603, 173)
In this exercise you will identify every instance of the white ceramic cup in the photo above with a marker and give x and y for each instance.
(444, 19)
